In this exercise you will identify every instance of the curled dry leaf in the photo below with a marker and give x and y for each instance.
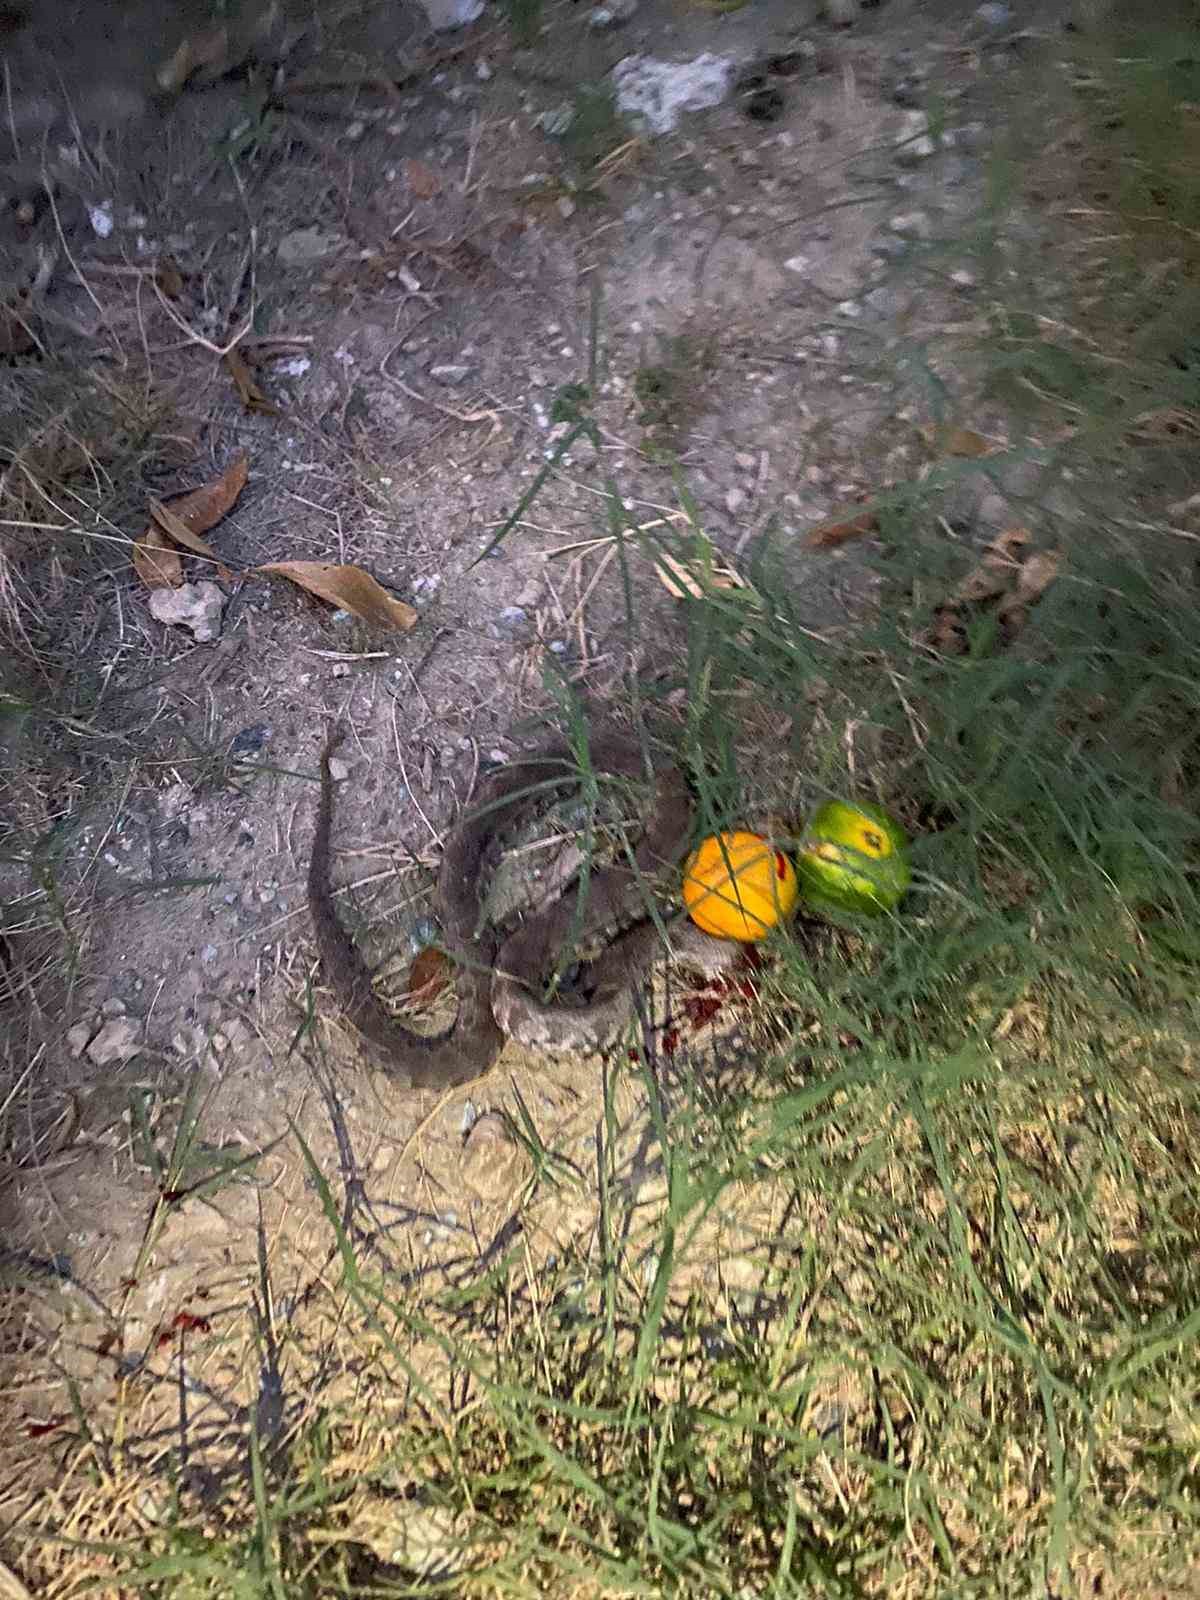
(950, 441)
(156, 561)
(692, 581)
(1010, 575)
(175, 528)
(181, 520)
(423, 181)
(208, 50)
(348, 587)
(168, 277)
(829, 535)
(252, 397)
(428, 977)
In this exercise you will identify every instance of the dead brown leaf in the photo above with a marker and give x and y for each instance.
(208, 50)
(422, 179)
(348, 587)
(201, 509)
(168, 278)
(681, 580)
(181, 521)
(177, 529)
(16, 336)
(829, 535)
(1008, 574)
(249, 393)
(996, 572)
(428, 977)
(156, 561)
(951, 441)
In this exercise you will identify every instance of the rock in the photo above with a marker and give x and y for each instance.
(304, 247)
(890, 247)
(798, 263)
(78, 1037)
(915, 143)
(446, 14)
(451, 374)
(113, 1007)
(512, 617)
(612, 14)
(908, 91)
(173, 801)
(117, 1041)
(101, 218)
(993, 15)
(189, 1041)
(250, 740)
(961, 278)
(735, 499)
(196, 606)
(912, 225)
(659, 92)
(340, 770)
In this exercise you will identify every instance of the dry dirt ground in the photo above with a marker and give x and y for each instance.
(438, 250)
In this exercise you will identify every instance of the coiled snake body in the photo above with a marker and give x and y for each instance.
(499, 983)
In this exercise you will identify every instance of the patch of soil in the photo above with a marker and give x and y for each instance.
(439, 261)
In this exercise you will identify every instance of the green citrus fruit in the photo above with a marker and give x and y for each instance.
(853, 857)
(735, 886)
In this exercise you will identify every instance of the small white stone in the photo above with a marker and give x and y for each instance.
(195, 606)
(117, 1041)
(78, 1037)
(798, 263)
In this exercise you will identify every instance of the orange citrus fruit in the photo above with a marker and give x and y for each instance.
(738, 886)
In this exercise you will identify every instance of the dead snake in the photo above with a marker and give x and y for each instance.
(499, 984)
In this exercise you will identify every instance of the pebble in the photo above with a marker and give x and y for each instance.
(450, 373)
(113, 1007)
(304, 247)
(78, 1037)
(735, 499)
(513, 617)
(993, 14)
(612, 14)
(355, 131)
(848, 308)
(208, 954)
(116, 1042)
(250, 739)
(890, 247)
(914, 143)
(912, 225)
(798, 263)
(962, 279)
(746, 461)
(908, 91)
(195, 606)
